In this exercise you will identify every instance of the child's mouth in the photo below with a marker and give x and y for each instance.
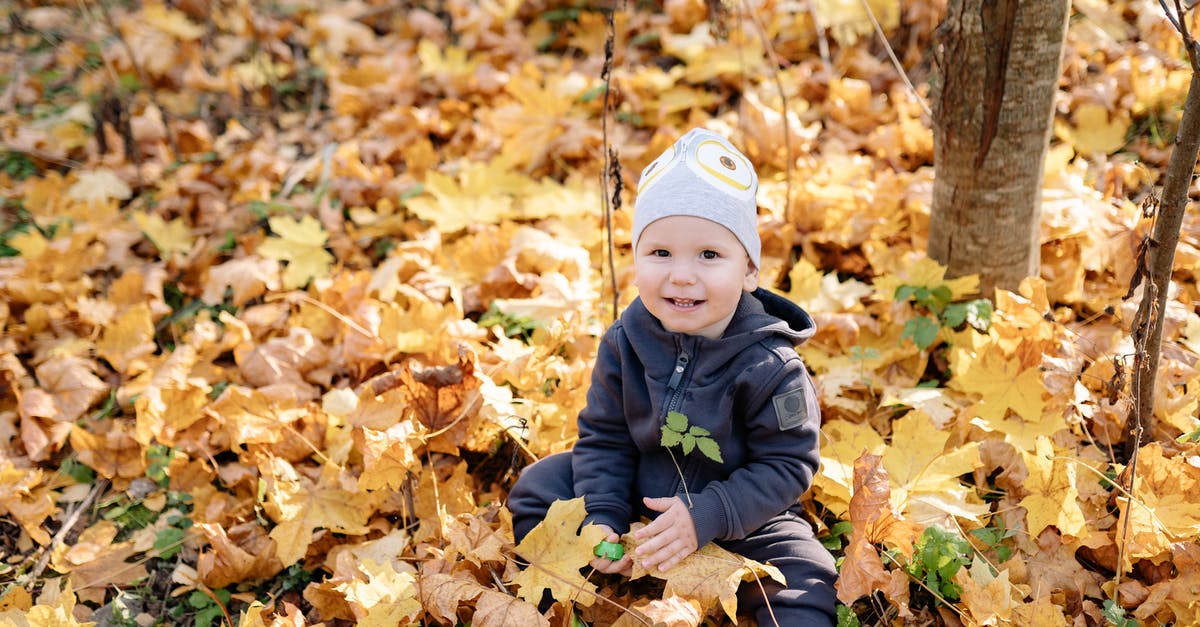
(684, 303)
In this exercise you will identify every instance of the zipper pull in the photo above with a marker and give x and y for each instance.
(681, 363)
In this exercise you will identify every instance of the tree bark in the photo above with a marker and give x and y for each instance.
(998, 68)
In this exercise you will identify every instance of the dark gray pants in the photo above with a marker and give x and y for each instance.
(786, 542)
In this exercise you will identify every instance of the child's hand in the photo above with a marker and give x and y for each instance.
(605, 565)
(668, 538)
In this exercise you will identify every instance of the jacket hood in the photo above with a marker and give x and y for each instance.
(760, 316)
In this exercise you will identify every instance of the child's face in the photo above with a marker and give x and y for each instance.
(691, 273)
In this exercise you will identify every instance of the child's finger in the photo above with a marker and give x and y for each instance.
(658, 504)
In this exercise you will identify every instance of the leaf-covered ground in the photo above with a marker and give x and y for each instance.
(290, 292)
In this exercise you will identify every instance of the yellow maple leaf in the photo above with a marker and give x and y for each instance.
(1001, 383)
(302, 244)
(1096, 131)
(386, 598)
(109, 448)
(442, 594)
(989, 598)
(438, 500)
(126, 342)
(251, 417)
(925, 272)
(1164, 506)
(555, 552)
(55, 608)
(73, 383)
(162, 413)
(820, 293)
(482, 193)
(1041, 611)
(171, 22)
(450, 60)
(848, 20)
(925, 484)
(389, 455)
(30, 244)
(247, 277)
(241, 553)
(476, 541)
(299, 506)
(97, 187)
(711, 575)
(1053, 498)
(25, 498)
(167, 237)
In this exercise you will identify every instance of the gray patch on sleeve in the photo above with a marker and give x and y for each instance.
(791, 409)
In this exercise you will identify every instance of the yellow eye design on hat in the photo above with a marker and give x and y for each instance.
(656, 168)
(716, 160)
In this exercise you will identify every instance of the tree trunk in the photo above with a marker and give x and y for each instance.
(998, 68)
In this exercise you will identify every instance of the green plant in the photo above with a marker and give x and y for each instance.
(937, 556)
(994, 535)
(1115, 615)
(17, 165)
(923, 329)
(846, 617)
(513, 325)
(677, 432)
(838, 533)
(204, 607)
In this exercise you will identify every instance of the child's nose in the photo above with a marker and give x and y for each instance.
(683, 274)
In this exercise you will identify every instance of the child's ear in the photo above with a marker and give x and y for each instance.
(750, 281)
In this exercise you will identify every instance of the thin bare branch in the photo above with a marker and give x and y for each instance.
(895, 61)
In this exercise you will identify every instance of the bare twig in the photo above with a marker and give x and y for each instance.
(72, 520)
(41, 154)
(609, 158)
(822, 38)
(895, 61)
(783, 104)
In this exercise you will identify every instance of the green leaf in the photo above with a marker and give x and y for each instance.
(699, 431)
(1115, 614)
(846, 617)
(710, 448)
(977, 313)
(922, 330)
(677, 421)
(905, 293)
(689, 443)
(939, 297)
(670, 438)
(168, 542)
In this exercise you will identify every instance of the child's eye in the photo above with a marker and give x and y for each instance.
(659, 252)
(709, 254)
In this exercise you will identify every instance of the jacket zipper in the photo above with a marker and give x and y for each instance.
(675, 387)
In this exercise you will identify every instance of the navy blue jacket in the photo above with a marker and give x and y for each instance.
(748, 388)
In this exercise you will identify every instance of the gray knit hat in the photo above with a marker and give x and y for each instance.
(701, 175)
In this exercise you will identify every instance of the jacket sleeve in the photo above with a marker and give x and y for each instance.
(782, 439)
(604, 459)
